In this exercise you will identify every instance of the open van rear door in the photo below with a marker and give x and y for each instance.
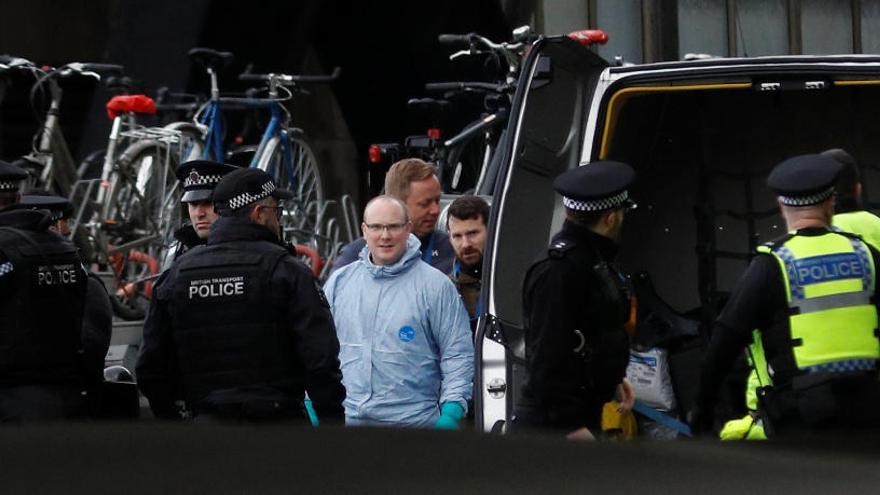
(544, 138)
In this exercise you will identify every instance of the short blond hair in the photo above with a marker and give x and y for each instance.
(404, 172)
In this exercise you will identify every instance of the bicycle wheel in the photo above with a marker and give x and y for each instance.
(294, 166)
(143, 205)
(191, 145)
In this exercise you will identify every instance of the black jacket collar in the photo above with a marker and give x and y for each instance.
(34, 220)
(230, 229)
(605, 247)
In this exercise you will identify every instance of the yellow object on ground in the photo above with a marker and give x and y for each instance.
(746, 428)
(621, 425)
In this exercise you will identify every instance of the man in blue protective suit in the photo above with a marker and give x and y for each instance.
(414, 182)
(405, 344)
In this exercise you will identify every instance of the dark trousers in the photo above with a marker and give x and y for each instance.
(42, 403)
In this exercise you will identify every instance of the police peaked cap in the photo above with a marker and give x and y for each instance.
(596, 186)
(59, 208)
(11, 176)
(244, 186)
(804, 180)
(199, 178)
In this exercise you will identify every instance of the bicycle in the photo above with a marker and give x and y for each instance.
(50, 163)
(282, 152)
(464, 161)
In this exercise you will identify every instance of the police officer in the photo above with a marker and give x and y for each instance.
(98, 313)
(60, 210)
(198, 179)
(47, 356)
(850, 214)
(11, 178)
(576, 306)
(810, 294)
(237, 329)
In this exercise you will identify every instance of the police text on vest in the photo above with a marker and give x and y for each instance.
(216, 287)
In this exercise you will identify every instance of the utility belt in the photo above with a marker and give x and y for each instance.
(823, 400)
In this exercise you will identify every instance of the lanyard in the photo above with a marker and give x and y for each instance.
(428, 253)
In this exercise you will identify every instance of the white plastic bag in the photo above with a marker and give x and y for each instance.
(648, 371)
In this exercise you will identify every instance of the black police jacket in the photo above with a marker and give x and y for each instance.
(576, 348)
(187, 238)
(42, 299)
(236, 322)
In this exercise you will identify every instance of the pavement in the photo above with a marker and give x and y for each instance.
(156, 457)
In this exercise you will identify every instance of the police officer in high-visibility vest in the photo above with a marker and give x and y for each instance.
(238, 329)
(849, 211)
(811, 296)
(849, 216)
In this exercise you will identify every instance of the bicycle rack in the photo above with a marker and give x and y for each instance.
(349, 214)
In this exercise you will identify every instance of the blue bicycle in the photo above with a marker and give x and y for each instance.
(282, 152)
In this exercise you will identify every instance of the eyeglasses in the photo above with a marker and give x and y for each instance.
(279, 210)
(392, 228)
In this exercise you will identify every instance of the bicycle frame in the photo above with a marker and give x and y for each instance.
(212, 118)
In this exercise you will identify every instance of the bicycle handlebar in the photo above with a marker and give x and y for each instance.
(455, 39)
(464, 86)
(88, 66)
(477, 127)
(292, 79)
(11, 61)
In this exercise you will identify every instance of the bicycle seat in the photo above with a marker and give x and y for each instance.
(428, 104)
(130, 103)
(211, 58)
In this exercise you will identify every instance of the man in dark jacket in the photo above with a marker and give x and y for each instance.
(576, 306)
(42, 299)
(238, 328)
(47, 357)
(466, 221)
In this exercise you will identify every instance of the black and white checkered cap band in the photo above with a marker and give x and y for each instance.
(9, 185)
(595, 204)
(812, 199)
(201, 180)
(245, 199)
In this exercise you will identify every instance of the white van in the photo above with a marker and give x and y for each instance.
(702, 136)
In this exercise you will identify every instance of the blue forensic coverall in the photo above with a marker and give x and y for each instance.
(405, 342)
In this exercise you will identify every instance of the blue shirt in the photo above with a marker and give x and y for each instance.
(405, 343)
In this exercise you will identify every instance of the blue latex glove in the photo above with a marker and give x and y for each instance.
(313, 416)
(450, 414)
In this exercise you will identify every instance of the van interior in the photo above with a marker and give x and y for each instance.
(702, 151)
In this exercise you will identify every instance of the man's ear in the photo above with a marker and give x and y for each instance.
(363, 229)
(609, 219)
(255, 213)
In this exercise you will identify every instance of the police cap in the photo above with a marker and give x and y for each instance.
(596, 186)
(11, 176)
(199, 178)
(59, 208)
(804, 180)
(244, 186)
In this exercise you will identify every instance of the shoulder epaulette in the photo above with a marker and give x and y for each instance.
(777, 242)
(560, 247)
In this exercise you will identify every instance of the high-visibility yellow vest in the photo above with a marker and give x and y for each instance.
(863, 223)
(760, 375)
(829, 282)
(750, 426)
